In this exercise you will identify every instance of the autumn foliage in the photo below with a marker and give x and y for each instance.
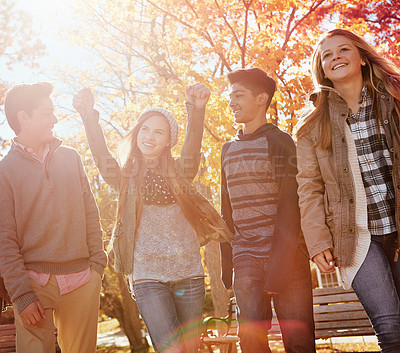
(144, 52)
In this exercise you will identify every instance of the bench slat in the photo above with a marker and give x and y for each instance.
(332, 299)
(338, 308)
(8, 344)
(345, 333)
(342, 324)
(7, 328)
(354, 315)
(7, 332)
(319, 292)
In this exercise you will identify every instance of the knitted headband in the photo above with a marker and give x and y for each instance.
(173, 124)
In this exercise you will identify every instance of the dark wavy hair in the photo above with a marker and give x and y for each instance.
(256, 80)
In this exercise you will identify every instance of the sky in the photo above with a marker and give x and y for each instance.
(50, 18)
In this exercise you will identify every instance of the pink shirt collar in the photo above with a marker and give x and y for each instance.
(31, 152)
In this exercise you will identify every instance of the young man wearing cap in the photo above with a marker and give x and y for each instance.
(259, 205)
(51, 249)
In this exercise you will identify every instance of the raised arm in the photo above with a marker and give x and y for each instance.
(197, 97)
(109, 168)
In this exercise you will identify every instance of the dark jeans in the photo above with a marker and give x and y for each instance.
(172, 313)
(377, 285)
(293, 307)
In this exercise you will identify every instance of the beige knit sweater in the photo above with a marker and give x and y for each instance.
(49, 221)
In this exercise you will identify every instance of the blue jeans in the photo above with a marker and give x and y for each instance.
(293, 307)
(377, 285)
(172, 313)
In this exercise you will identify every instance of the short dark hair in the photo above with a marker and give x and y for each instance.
(254, 79)
(24, 97)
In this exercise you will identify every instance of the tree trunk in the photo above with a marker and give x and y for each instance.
(212, 259)
(119, 304)
(132, 324)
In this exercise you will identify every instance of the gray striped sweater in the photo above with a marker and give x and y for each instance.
(253, 192)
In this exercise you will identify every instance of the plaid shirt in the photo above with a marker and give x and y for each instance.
(375, 165)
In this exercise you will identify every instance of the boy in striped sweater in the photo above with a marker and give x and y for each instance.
(259, 204)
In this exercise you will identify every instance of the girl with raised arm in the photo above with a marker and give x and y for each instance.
(161, 220)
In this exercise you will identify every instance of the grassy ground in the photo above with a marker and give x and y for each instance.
(348, 347)
(340, 347)
(357, 346)
(113, 350)
(108, 325)
(320, 349)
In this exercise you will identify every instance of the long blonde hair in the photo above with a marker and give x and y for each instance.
(377, 70)
(134, 168)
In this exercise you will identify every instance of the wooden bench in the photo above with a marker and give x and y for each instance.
(337, 313)
(7, 339)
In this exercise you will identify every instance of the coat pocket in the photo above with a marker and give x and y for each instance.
(331, 205)
(333, 192)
